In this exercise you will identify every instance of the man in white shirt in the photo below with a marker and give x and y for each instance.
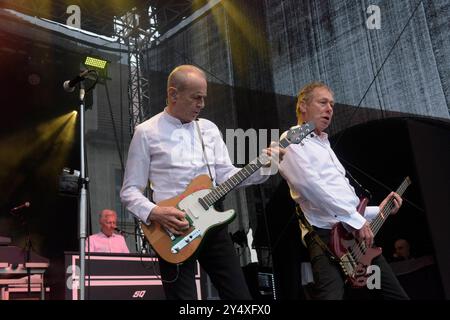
(167, 151)
(107, 240)
(318, 184)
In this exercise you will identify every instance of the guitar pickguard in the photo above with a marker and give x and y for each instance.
(200, 220)
(203, 219)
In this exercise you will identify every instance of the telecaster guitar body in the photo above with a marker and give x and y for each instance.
(180, 248)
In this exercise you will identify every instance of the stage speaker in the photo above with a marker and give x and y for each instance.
(112, 276)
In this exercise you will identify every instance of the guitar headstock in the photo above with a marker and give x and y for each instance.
(297, 134)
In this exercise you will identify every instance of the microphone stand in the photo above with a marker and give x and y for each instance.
(83, 179)
(28, 248)
(83, 193)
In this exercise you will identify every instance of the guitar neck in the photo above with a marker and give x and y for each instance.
(379, 220)
(224, 188)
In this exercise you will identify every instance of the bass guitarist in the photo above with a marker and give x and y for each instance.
(318, 185)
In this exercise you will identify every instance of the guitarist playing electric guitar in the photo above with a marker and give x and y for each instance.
(317, 182)
(180, 154)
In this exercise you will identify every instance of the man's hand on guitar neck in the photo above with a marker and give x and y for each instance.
(170, 218)
(274, 153)
(397, 200)
(365, 233)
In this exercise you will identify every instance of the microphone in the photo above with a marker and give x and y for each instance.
(22, 206)
(69, 85)
(120, 231)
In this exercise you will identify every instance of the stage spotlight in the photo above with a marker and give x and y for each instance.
(96, 63)
(100, 65)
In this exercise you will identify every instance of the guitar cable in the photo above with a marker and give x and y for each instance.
(157, 273)
(153, 263)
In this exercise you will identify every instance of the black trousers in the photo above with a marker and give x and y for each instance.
(218, 258)
(329, 281)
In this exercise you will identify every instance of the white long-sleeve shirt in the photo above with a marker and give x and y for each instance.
(318, 184)
(169, 154)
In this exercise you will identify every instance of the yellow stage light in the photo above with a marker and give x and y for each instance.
(95, 62)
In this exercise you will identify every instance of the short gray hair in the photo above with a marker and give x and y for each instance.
(179, 76)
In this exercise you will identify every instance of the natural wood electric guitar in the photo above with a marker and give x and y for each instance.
(197, 202)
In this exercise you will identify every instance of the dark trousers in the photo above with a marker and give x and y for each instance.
(218, 258)
(329, 279)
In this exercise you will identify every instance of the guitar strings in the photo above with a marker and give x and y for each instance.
(376, 224)
(379, 220)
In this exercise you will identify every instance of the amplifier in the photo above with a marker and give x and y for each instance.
(110, 276)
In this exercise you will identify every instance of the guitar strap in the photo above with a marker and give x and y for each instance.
(313, 234)
(204, 151)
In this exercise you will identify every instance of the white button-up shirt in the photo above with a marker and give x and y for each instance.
(318, 184)
(169, 154)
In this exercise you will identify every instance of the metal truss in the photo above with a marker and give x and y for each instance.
(136, 40)
(139, 32)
